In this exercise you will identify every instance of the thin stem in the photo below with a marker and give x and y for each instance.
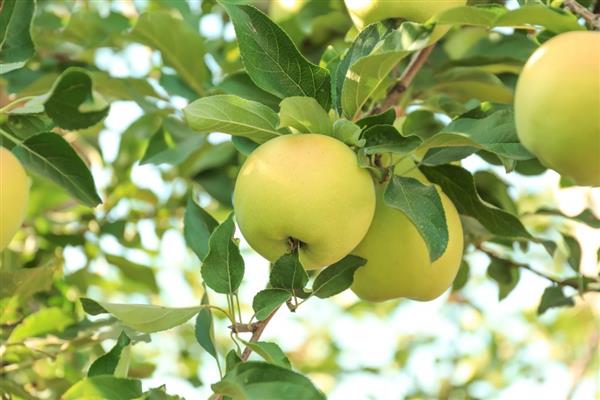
(260, 327)
(237, 304)
(408, 75)
(592, 19)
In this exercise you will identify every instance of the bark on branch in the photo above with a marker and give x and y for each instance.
(593, 20)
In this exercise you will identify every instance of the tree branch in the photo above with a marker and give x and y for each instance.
(592, 19)
(409, 73)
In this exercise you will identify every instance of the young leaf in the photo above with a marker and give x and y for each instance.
(223, 266)
(305, 115)
(50, 156)
(72, 104)
(142, 317)
(180, 46)
(107, 364)
(204, 329)
(457, 183)
(270, 352)
(288, 273)
(337, 277)
(505, 275)
(104, 387)
(423, 206)
(197, 228)
(554, 297)
(233, 115)
(362, 46)
(16, 45)
(266, 301)
(231, 360)
(347, 131)
(258, 381)
(273, 61)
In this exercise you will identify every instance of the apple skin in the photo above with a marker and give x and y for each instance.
(557, 106)
(14, 194)
(365, 12)
(397, 257)
(308, 187)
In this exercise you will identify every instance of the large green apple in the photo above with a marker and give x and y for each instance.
(14, 193)
(398, 262)
(557, 105)
(365, 12)
(308, 188)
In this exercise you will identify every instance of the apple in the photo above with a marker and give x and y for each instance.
(365, 12)
(398, 263)
(14, 193)
(307, 188)
(557, 105)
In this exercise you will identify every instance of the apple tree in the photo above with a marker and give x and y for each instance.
(179, 177)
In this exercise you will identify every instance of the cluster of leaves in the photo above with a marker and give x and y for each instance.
(299, 75)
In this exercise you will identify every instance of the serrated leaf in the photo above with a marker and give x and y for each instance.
(16, 44)
(273, 61)
(259, 381)
(50, 156)
(505, 275)
(304, 115)
(270, 352)
(180, 46)
(223, 266)
(457, 183)
(198, 225)
(104, 387)
(337, 277)
(423, 206)
(142, 317)
(107, 364)
(204, 329)
(266, 301)
(554, 296)
(233, 115)
(288, 273)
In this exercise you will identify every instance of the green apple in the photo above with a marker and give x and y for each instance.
(557, 105)
(308, 188)
(398, 262)
(365, 12)
(14, 193)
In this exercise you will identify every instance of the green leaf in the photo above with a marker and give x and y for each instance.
(304, 115)
(240, 84)
(197, 228)
(231, 360)
(462, 276)
(288, 273)
(273, 61)
(385, 118)
(142, 317)
(16, 45)
(9, 387)
(553, 19)
(181, 46)
(337, 277)
(494, 190)
(232, 115)
(46, 320)
(107, 364)
(423, 206)
(347, 132)
(270, 352)
(71, 103)
(223, 266)
(204, 329)
(138, 274)
(574, 252)
(104, 387)
(266, 301)
(457, 183)
(50, 156)
(552, 297)
(173, 143)
(505, 275)
(474, 16)
(25, 282)
(386, 138)
(259, 381)
(244, 145)
(362, 46)
(586, 216)
(368, 74)
(421, 123)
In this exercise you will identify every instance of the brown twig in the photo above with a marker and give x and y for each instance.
(580, 366)
(408, 75)
(592, 19)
